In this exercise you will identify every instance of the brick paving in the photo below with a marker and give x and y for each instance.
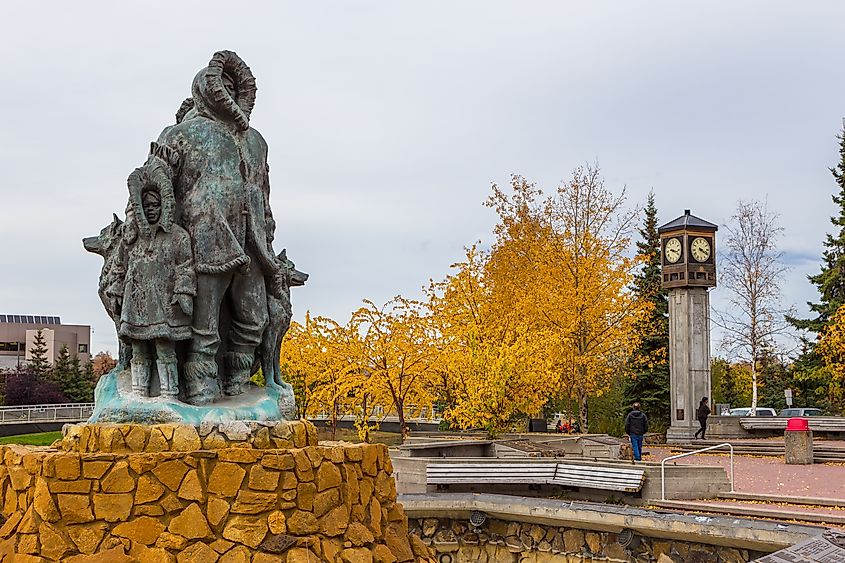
(769, 474)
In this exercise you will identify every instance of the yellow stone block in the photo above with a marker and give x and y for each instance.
(217, 510)
(87, 537)
(263, 480)
(356, 555)
(315, 455)
(143, 554)
(185, 439)
(191, 488)
(276, 522)
(20, 478)
(325, 501)
(239, 554)
(80, 486)
(166, 540)
(43, 502)
(239, 455)
(358, 534)
(136, 438)
(118, 479)
(305, 496)
(75, 509)
(148, 489)
(251, 502)
(95, 469)
(191, 523)
(197, 553)
(275, 460)
(148, 510)
(27, 543)
(335, 522)
(53, 544)
(112, 507)
(171, 473)
(143, 530)
(11, 524)
(221, 546)
(304, 471)
(302, 523)
(157, 442)
(248, 530)
(170, 503)
(226, 479)
(328, 476)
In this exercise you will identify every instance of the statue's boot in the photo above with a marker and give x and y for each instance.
(168, 374)
(201, 386)
(238, 369)
(140, 370)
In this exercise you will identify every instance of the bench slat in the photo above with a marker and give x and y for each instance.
(586, 476)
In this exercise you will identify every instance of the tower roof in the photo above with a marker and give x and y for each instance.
(688, 220)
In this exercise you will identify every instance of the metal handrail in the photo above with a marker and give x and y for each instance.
(663, 465)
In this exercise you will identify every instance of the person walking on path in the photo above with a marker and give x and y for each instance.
(701, 414)
(636, 425)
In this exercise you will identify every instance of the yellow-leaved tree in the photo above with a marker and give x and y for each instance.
(567, 256)
(318, 360)
(397, 355)
(831, 347)
(492, 369)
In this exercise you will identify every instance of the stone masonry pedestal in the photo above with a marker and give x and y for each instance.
(230, 493)
(798, 447)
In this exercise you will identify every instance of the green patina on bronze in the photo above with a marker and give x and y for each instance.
(198, 296)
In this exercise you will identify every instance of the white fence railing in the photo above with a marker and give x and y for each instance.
(412, 414)
(663, 465)
(66, 412)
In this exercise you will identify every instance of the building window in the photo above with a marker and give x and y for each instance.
(83, 349)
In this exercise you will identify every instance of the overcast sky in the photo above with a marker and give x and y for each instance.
(388, 121)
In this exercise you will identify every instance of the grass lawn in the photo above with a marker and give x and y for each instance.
(37, 439)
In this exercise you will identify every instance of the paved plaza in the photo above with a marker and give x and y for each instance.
(770, 475)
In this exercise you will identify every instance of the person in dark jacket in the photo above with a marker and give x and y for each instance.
(636, 425)
(701, 414)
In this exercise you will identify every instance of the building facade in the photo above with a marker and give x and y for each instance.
(17, 337)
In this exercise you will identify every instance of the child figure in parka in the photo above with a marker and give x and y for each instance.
(160, 279)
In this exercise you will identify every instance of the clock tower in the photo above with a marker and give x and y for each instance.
(689, 271)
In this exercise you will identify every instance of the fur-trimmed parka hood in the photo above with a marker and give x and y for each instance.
(210, 97)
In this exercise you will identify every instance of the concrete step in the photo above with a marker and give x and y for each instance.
(756, 511)
(821, 453)
(803, 501)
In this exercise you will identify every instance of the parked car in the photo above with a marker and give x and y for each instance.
(746, 411)
(804, 411)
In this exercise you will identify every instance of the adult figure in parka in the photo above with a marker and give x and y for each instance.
(222, 199)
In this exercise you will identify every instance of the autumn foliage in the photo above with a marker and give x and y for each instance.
(547, 312)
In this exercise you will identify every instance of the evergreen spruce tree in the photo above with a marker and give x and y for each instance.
(61, 367)
(38, 362)
(79, 386)
(649, 379)
(830, 281)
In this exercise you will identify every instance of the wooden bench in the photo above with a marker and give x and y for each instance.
(540, 473)
(599, 477)
(490, 473)
(817, 423)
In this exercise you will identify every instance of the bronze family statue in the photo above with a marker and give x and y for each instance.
(199, 298)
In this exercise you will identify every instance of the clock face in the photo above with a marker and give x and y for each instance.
(672, 250)
(700, 249)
